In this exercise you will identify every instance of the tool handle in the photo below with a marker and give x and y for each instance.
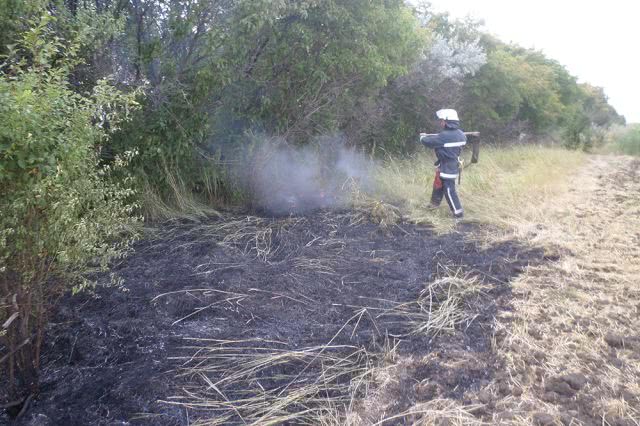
(466, 133)
(475, 150)
(475, 144)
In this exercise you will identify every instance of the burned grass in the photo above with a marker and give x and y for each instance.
(359, 317)
(329, 318)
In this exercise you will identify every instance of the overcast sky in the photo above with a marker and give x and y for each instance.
(597, 41)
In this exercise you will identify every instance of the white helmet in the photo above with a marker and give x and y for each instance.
(448, 115)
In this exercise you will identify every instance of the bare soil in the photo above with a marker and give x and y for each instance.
(286, 282)
(571, 344)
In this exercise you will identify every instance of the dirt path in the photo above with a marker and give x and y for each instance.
(572, 342)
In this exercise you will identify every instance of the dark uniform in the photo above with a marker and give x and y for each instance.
(448, 146)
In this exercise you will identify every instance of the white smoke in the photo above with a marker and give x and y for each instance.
(284, 179)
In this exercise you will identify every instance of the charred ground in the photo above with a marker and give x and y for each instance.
(330, 286)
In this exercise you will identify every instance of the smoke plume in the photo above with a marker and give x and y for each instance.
(295, 180)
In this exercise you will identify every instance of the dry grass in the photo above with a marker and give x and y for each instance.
(250, 236)
(179, 201)
(436, 412)
(263, 382)
(442, 306)
(260, 382)
(507, 186)
(580, 315)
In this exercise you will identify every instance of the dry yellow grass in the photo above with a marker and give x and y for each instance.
(507, 186)
(580, 315)
(179, 201)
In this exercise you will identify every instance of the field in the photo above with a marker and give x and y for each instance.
(527, 313)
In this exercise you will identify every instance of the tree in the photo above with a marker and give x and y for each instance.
(297, 69)
(450, 53)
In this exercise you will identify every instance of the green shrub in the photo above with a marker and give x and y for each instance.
(628, 141)
(63, 214)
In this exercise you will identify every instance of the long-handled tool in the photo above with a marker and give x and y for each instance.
(475, 144)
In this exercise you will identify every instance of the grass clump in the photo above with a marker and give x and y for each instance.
(260, 382)
(443, 305)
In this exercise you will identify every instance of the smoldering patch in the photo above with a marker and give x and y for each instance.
(286, 180)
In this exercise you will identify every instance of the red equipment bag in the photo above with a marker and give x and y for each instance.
(437, 182)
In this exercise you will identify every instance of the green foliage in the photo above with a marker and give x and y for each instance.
(587, 119)
(514, 87)
(521, 90)
(373, 71)
(14, 17)
(297, 69)
(626, 140)
(62, 213)
(493, 98)
(214, 73)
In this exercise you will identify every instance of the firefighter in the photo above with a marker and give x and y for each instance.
(448, 146)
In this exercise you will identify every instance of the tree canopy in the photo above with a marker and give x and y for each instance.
(213, 72)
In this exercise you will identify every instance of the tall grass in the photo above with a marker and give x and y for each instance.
(178, 197)
(507, 185)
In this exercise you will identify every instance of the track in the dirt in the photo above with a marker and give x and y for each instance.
(296, 281)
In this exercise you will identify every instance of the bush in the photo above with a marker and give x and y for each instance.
(62, 214)
(628, 140)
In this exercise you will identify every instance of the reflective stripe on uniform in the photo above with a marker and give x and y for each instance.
(456, 210)
(453, 144)
(448, 176)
